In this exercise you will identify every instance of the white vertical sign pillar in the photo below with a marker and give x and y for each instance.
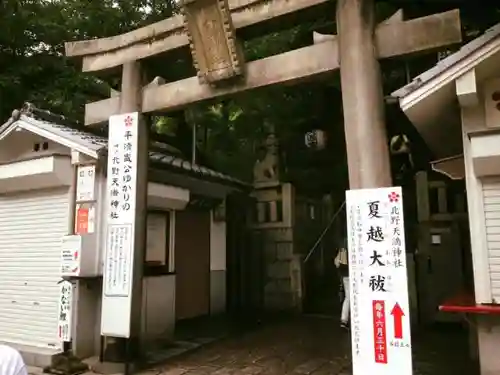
(118, 273)
(380, 320)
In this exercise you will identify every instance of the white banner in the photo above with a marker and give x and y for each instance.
(65, 311)
(380, 315)
(121, 201)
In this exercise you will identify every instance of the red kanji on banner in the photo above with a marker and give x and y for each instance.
(379, 332)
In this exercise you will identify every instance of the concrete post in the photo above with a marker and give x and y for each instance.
(362, 96)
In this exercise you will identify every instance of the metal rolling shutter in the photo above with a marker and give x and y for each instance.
(31, 227)
(491, 194)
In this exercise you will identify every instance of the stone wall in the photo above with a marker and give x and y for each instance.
(286, 227)
(282, 284)
(282, 271)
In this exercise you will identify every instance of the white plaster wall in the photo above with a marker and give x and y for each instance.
(217, 266)
(166, 198)
(473, 119)
(158, 313)
(19, 145)
(40, 173)
(492, 115)
(86, 318)
(158, 307)
(488, 335)
(217, 244)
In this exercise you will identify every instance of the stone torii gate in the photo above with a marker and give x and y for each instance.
(213, 30)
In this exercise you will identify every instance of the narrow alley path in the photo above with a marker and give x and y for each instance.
(314, 346)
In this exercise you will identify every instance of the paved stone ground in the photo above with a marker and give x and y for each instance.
(315, 346)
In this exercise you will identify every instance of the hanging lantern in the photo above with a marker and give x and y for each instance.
(316, 139)
(399, 144)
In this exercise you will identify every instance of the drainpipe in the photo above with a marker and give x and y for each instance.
(193, 144)
(72, 207)
(71, 230)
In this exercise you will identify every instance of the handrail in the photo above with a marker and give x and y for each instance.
(325, 231)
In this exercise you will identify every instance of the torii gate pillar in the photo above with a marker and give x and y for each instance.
(116, 349)
(362, 96)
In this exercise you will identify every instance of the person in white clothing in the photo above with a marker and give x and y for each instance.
(11, 362)
(342, 263)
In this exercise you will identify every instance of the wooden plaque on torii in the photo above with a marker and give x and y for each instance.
(212, 40)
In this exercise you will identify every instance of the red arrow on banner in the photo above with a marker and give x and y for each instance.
(397, 313)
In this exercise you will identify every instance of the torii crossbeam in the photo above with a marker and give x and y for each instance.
(394, 39)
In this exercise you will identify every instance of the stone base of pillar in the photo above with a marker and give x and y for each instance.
(283, 279)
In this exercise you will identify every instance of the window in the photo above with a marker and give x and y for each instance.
(37, 146)
(158, 242)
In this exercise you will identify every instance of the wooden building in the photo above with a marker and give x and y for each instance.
(455, 107)
(52, 224)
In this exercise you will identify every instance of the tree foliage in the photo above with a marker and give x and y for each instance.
(32, 62)
(33, 68)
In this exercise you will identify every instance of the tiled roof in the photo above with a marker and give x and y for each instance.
(98, 144)
(449, 61)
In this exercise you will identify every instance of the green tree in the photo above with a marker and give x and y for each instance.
(32, 62)
(33, 68)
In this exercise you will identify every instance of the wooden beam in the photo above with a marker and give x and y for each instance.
(169, 34)
(466, 89)
(393, 40)
(396, 17)
(288, 67)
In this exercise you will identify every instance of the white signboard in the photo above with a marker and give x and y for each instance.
(65, 311)
(121, 200)
(380, 321)
(71, 252)
(85, 187)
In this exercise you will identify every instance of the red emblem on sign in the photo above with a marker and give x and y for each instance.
(128, 121)
(393, 197)
(379, 332)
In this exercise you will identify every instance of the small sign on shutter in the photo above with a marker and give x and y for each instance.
(65, 311)
(82, 220)
(85, 187)
(85, 218)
